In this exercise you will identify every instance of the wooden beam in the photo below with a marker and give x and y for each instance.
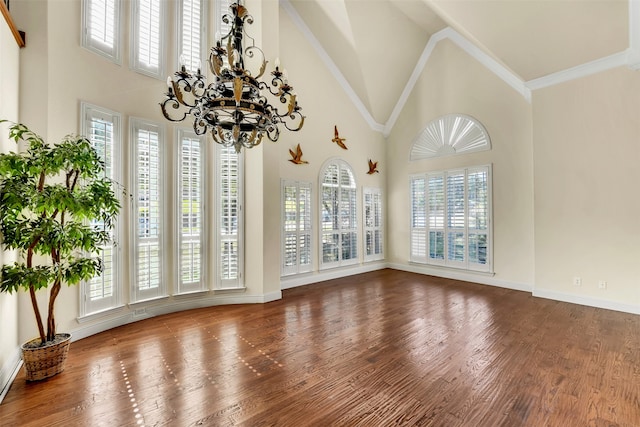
(19, 35)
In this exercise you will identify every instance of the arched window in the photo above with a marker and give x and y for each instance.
(338, 215)
(449, 135)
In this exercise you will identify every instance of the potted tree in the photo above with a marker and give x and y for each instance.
(56, 209)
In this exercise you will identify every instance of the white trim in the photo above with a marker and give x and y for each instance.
(463, 275)
(329, 274)
(616, 60)
(333, 68)
(146, 311)
(201, 285)
(9, 372)
(112, 53)
(588, 301)
(136, 294)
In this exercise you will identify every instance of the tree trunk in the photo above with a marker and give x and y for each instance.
(34, 301)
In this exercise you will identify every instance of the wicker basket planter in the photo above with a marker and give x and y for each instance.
(42, 362)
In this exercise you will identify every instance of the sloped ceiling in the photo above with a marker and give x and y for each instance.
(376, 44)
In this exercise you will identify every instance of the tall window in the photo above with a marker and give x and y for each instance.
(296, 227)
(230, 217)
(190, 212)
(102, 127)
(101, 27)
(338, 215)
(373, 225)
(451, 218)
(148, 216)
(148, 41)
(192, 32)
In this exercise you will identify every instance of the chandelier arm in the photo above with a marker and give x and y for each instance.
(175, 105)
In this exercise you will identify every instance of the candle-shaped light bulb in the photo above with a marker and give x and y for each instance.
(276, 63)
(169, 81)
(285, 76)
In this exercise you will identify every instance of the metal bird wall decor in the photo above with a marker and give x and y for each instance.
(373, 167)
(296, 157)
(337, 139)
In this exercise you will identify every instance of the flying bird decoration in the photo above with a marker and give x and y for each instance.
(296, 157)
(373, 167)
(337, 139)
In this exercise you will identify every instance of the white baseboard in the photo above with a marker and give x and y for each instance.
(447, 273)
(588, 301)
(150, 310)
(9, 371)
(334, 273)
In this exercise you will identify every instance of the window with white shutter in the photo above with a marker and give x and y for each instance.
(296, 227)
(457, 204)
(101, 28)
(190, 210)
(148, 214)
(373, 225)
(338, 215)
(102, 127)
(230, 217)
(192, 30)
(148, 41)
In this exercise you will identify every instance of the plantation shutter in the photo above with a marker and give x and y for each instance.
(148, 211)
(339, 234)
(458, 208)
(192, 33)
(373, 224)
(418, 219)
(102, 127)
(101, 24)
(230, 217)
(190, 213)
(436, 225)
(478, 217)
(456, 202)
(148, 46)
(296, 222)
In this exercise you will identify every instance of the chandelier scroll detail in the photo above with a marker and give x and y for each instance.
(234, 108)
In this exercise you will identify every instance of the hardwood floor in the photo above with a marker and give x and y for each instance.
(378, 349)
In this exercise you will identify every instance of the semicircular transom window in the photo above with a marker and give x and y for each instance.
(449, 135)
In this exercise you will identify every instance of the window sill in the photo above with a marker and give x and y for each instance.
(438, 267)
(107, 312)
(230, 290)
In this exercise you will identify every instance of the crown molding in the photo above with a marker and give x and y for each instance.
(616, 60)
(472, 50)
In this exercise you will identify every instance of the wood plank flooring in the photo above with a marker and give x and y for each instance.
(385, 348)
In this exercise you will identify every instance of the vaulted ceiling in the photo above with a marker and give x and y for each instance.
(376, 44)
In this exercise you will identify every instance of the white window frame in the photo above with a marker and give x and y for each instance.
(373, 223)
(136, 63)
(180, 237)
(302, 226)
(191, 63)
(222, 282)
(352, 191)
(137, 294)
(113, 52)
(424, 224)
(88, 113)
(221, 9)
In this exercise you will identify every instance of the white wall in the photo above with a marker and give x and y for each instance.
(454, 82)
(586, 143)
(9, 80)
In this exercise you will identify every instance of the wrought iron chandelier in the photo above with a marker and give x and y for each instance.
(233, 108)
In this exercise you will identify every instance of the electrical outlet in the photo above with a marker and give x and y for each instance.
(577, 281)
(602, 284)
